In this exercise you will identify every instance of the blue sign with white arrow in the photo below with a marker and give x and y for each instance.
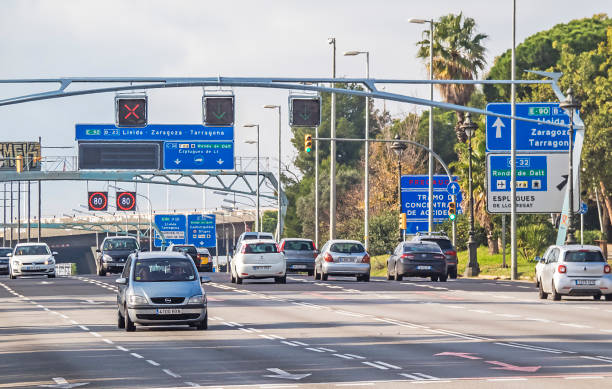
(453, 188)
(201, 230)
(199, 155)
(173, 227)
(154, 132)
(529, 136)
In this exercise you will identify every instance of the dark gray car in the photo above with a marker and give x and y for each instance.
(417, 259)
(113, 253)
(4, 259)
(300, 255)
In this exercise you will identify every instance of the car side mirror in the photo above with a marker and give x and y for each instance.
(54, 252)
(204, 280)
(98, 251)
(121, 281)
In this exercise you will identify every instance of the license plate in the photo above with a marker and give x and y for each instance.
(31, 267)
(169, 311)
(585, 282)
(346, 259)
(204, 261)
(298, 267)
(423, 267)
(261, 267)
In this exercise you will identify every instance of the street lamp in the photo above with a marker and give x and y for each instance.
(257, 218)
(431, 145)
(366, 229)
(472, 268)
(399, 148)
(570, 104)
(279, 222)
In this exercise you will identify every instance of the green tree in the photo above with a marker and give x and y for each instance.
(458, 54)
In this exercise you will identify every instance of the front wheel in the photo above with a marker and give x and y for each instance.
(453, 273)
(12, 277)
(203, 325)
(316, 274)
(443, 278)
(608, 297)
(398, 275)
(281, 280)
(238, 279)
(365, 278)
(129, 324)
(597, 297)
(310, 273)
(50, 275)
(101, 272)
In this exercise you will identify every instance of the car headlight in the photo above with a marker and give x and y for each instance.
(135, 299)
(50, 261)
(107, 258)
(199, 299)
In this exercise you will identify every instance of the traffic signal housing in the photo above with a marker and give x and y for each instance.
(304, 111)
(402, 221)
(452, 210)
(131, 110)
(308, 143)
(218, 110)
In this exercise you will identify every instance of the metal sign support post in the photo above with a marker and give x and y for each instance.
(514, 273)
(455, 225)
(316, 187)
(332, 168)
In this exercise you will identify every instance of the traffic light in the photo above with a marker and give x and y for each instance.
(126, 201)
(19, 163)
(452, 210)
(131, 110)
(218, 111)
(305, 112)
(308, 143)
(402, 221)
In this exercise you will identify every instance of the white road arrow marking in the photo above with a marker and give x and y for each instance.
(498, 126)
(286, 375)
(219, 161)
(177, 161)
(61, 383)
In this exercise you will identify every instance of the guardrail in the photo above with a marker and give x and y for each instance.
(65, 269)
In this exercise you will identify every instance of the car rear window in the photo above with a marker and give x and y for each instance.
(421, 248)
(120, 244)
(249, 237)
(346, 248)
(443, 243)
(299, 245)
(584, 256)
(258, 248)
(186, 249)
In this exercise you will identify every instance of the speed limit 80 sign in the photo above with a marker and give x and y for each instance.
(126, 201)
(97, 201)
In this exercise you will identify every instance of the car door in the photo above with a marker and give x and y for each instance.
(541, 263)
(121, 288)
(549, 269)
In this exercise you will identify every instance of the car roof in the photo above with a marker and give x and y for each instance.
(568, 247)
(251, 241)
(296, 239)
(344, 241)
(32, 244)
(160, 255)
(420, 242)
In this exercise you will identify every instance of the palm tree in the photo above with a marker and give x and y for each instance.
(457, 55)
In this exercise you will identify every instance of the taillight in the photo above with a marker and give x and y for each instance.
(439, 256)
(607, 269)
(282, 247)
(366, 259)
(562, 269)
(328, 257)
(315, 255)
(450, 252)
(408, 256)
(243, 251)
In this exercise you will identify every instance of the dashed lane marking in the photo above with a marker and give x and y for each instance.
(171, 373)
(372, 364)
(152, 362)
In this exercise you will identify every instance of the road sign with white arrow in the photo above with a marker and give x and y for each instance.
(199, 155)
(201, 230)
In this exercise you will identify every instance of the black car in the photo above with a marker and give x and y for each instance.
(450, 252)
(4, 259)
(113, 253)
(417, 259)
(201, 260)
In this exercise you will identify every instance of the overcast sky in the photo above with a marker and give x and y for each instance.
(227, 38)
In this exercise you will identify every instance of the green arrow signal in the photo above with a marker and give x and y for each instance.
(219, 114)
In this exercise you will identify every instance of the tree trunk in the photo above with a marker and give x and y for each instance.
(491, 241)
(606, 198)
(461, 137)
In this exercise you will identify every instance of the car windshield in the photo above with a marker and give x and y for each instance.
(583, 256)
(299, 245)
(203, 251)
(163, 270)
(32, 250)
(422, 248)
(186, 249)
(443, 243)
(120, 244)
(347, 248)
(4, 252)
(257, 248)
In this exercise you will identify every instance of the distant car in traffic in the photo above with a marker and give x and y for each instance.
(300, 254)
(417, 259)
(342, 258)
(201, 257)
(32, 259)
(113, 253)
(257, 259)
(4, 259)
(206, 262)
(160, 288)
(574, 270)
(450, 252)
(251, 235)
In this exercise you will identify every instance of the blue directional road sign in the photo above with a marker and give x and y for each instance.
(154, 132)
(583, 208)
(173, 227)
(414, 200)
(199, 155)
(530, 137)
(453, 188)
(201, 230)
(531, 173)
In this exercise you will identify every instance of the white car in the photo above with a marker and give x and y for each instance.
(32, 259)
(574, 270)
(258, 259)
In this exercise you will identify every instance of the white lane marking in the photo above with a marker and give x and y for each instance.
(47, 309)
(455, 306)
(245, 330)
(592, 377)
(315, 349)
(606, 330)
(427, 377)
(574, 325)
(84, 328)
(537, 319)
(277, 337)
(95, 334)
(108, 341)
(355, 356)
(289, 343)
(74, 322)
(356, 384)
(171, 373)
(228, 324)
(266, 337)
(64, 316)
(300, 343)
(380, 367)
(254, 329)
(152, 362)
(509, 315)
(193, 384)
(599, 358)
(535, 348)
(524, 287)
(388, 365)
(136, 355)
(236, 324)
(327, 349)
(122, 348)
(479, 311)
(342, 356)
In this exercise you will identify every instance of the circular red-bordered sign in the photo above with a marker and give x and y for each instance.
(126, 201)
(98, 201)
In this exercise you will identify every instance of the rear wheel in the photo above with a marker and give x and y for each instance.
(281, 280)
(310, 273)
(597, 297)
(50, 275)
(324, 276)
(541, 294)
(101, 271)
(453, 273)
(608, 297)
(389, 277)
(316, 274)
(434, 278)
(398, 275)
(365, 278)
(11, 276)
(443, 278)
(232, 279)
(555, 296)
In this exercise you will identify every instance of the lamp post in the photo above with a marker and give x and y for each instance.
(570, 104)
(279, 221)
(431, 146)
(399, 148)
(257, 218)
(472, 268)
(366, 230)
(332, 150)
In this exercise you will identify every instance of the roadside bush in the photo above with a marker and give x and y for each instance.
(533, 239)
(590, 236)
(463, 229)
(383, 232)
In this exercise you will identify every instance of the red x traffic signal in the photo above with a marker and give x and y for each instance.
(131, 111)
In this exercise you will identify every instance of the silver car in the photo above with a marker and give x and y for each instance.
(160, 288)
(574, 270)
(342, 258)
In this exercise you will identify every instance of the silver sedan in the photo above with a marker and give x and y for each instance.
(343, 258)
